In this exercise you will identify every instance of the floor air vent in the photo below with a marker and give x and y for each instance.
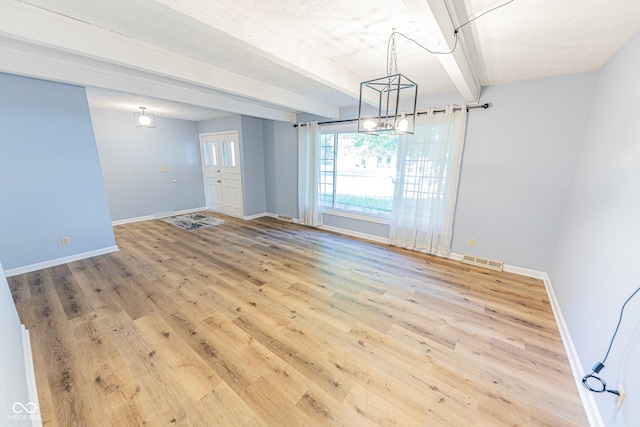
(285, 218)
(482, 262)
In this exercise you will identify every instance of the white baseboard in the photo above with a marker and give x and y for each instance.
(525, 272)
(455, 257)
(589, 403)
(256, 216)
(156, 216)
(275, 216)
(511, 269)
(366, 236)
(60, 261)
(36, 418)
(129, 220)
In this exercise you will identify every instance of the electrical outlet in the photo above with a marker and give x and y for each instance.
(164, 169)
(65, 241)
(472, 242)
(293, 209)
(621, 397)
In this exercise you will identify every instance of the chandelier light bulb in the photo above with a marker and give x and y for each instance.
(144, 120)
(402, 124)
(369, 124)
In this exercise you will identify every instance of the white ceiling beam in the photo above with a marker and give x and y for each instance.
(23, 22)
(437, 33)
(18, 61)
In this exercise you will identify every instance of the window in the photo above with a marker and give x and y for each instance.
(357, 172)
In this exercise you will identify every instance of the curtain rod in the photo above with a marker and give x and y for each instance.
(469, 107)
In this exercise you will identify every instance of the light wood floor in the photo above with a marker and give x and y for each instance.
(265, 323)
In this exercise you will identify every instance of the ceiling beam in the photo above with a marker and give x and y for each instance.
(20, 62)
(270, 42)
(36, 26)
(438, 33)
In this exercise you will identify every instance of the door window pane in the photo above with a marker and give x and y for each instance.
(225, 157)
(205, 149)
(232, 153)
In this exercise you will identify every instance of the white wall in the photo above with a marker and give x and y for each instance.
(132, 159)
(595, 264)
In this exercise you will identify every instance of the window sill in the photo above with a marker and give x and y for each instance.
(358, 216)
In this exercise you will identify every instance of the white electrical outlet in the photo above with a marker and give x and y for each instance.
(65, 241)
(472, 242)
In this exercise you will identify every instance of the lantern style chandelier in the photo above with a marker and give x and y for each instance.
(396, 97)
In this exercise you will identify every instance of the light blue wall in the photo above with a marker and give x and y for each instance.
(220, 125)
(132, 159)
(281, 168)
(51, 184)
(253, 173)
(516, 167)
(594, 265)
(13, 387)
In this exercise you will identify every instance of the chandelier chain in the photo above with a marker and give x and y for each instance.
(392, 67)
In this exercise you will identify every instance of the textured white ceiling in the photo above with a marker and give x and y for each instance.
(291, 55)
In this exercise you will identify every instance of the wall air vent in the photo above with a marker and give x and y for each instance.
(482, 262)
(285, 218)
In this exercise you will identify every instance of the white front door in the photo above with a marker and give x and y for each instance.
(211, 172)
(222, 172)
(231, 174)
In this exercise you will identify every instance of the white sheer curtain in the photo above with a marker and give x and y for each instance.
(426, 187)
(309, 174)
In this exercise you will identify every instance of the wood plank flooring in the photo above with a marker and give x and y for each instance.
(266, 323)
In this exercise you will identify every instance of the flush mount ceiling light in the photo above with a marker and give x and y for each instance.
(145, 120)
(396, 97)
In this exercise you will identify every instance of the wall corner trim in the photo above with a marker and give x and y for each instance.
(36, 418)
(60, 261)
